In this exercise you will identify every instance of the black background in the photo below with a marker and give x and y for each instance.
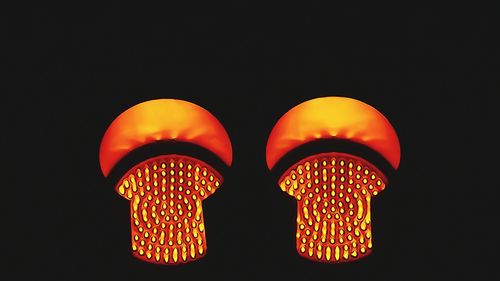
(71, 70)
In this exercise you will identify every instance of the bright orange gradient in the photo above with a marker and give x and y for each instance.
(337, 118)
(163, 119)
(166, 191)
(333, 190)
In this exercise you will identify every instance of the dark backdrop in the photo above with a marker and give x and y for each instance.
(72, 70)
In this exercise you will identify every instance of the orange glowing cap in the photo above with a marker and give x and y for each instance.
(333, 118)
(333, 189)
(166, 191)
(163, 119)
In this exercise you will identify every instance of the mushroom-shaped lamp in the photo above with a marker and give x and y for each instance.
(333, 189)
(166, 191)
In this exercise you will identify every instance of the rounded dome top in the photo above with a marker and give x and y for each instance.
(163, 119)
(333, 118)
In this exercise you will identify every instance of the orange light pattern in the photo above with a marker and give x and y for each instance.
(333, 117)
(166, 194)
(333, 193)
(163, 119)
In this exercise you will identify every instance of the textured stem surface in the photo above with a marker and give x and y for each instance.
(333, 192)
(166, 212)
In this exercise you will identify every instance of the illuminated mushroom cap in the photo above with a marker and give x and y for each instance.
(163, 119)
(333, 118)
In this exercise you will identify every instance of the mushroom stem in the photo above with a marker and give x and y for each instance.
(170, 232)
(166, 212)
(333, 193)
(328, 236)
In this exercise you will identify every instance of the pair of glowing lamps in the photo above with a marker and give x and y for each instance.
(333, 189)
